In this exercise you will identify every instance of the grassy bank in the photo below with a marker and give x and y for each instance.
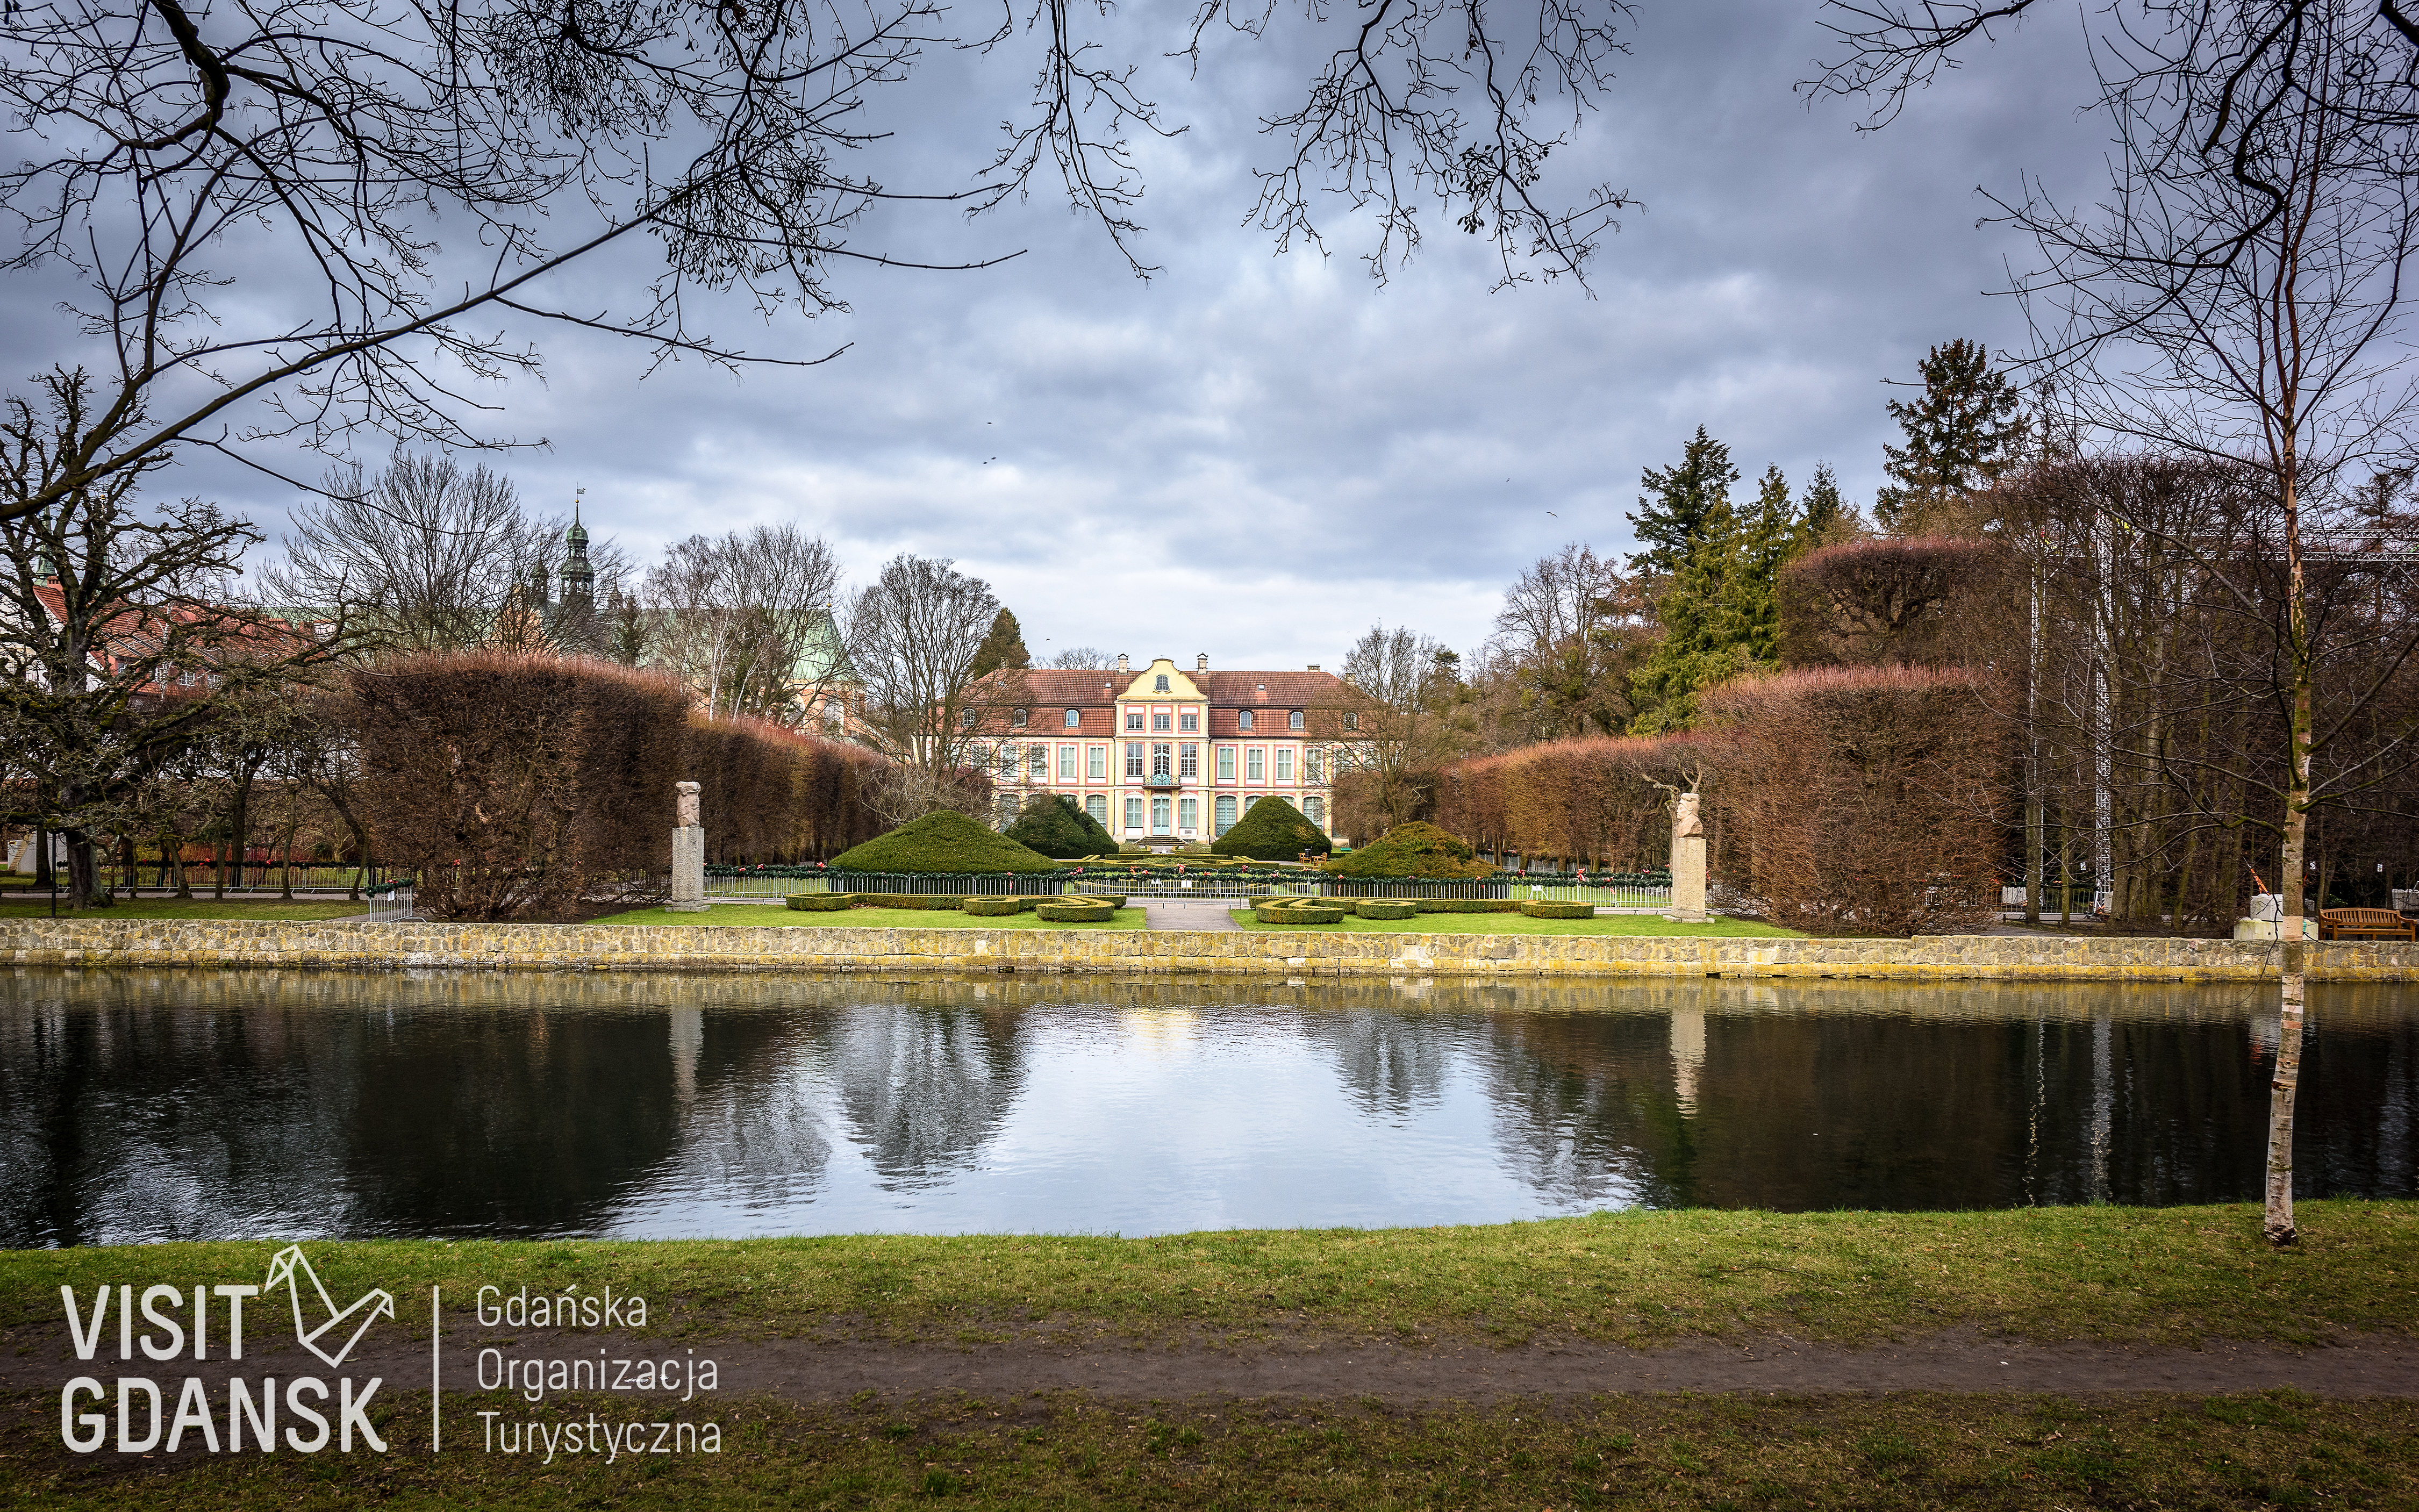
(1063, 1450)
(196, 908)
(777, 916)
(1523, 924)
(2174, 1275)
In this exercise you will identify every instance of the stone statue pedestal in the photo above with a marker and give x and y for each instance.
(1687, 862)
(688, 854)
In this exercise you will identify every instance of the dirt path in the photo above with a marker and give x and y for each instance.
(1338, 1367)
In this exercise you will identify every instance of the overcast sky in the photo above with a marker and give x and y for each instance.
(1257, 457)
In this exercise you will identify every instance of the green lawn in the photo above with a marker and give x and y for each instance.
(198, 908)
(1064, 1450)
(1523, 924)
(2154, 1276)
(775, 916)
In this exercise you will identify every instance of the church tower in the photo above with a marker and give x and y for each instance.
(578, 579)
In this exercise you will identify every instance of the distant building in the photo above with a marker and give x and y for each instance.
(1164, 756)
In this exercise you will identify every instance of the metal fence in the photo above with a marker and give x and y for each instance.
(249, 880)
(1644, 897)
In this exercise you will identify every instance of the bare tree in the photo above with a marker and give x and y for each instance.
(2238, 297)
(425, 556)
(1571, 630)
(744, 619)
(1409, 722)
(117, 630)
(1083, 659)
(302, 218)
(913, 634)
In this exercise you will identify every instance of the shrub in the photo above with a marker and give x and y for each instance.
(1466, 905)
(942, 842)
(515, 784)
(927, 903)
(1864, 801)
(1412, 850)
(994, 906)
(1540, 908)
(1302, 913)
(772, 794)
(1056, 825)
(1076, 913)
(820, 903)
(1113, 900)
(1922, 602)
(1372, 908)
(1594, 800)
(1272, 831)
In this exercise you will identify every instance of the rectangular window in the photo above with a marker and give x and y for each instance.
(1007, 762)
(1189, 721)
(1096, 765)
(1224, 809)
(1312, 765)
(1188, 814)
(1134, 758)
(1285, 763)
(1134, 719)
(1159, 816)
(1189, 758)
(1096, 805)
(1159, 724)
(1256, 764)
(1037, 763)
(1293, 720)
(1315, 809)
(1133, 816)
(1161, 756)
(1017, 719)
(1067, 772)
(1075, 718)
(1225, 764)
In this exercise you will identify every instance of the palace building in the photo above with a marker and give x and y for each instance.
(1164, 756)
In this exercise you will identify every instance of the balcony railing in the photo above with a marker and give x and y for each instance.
(1159, 780)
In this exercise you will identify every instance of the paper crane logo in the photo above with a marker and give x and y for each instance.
(281, 1267)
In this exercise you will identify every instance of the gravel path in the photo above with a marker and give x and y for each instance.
(1165, 913)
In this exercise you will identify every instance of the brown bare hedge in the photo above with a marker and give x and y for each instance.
(1918, 602)
(1589, 800)
(518, 785)
(1864, 801)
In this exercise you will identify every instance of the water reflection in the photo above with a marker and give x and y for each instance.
(158, 1105)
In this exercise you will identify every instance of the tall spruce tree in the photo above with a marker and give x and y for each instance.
(1003, 647)
(1825, 519)
(1698, 649)
(1768, 537)
(1672, 512)
(1965, 430)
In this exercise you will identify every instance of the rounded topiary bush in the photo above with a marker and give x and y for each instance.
(1373, 908)
(1412, 850)
(1116, 900)
(1056, 825)
(990, 907)
(1272, 831)
(820, 903)
(1073, 912)
(942, 842)
(1539, 908)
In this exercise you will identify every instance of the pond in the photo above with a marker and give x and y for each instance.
(153, 1105)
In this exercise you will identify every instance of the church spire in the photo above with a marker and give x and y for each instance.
(579, 577)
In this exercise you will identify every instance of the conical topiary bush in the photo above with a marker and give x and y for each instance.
(1413, 850)
(1055, 824)
(942, 842)
(1272, 831)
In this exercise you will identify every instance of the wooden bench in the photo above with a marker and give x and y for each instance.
(2365, 924)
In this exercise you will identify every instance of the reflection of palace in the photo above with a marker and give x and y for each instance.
(1164, 756)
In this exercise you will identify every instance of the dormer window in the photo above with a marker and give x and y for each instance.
(1158, 684)
(1016, 720)
(1075, 718)
(966, 719)
(1352, 721)
(1243, 719)
(1293, 720)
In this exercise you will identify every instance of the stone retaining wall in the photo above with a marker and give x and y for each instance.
(356, 946)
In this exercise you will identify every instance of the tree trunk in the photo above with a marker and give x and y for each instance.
(2279, 1220)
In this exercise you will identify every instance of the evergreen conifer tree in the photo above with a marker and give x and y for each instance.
(1768, 539)
(1698, 648)
(1825, 519)
(1965, 430)
(1003, 647)
(1672, 512)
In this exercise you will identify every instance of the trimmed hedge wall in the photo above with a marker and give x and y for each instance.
(822, 903)
(1373, 908)
(1076, 913)
(1538, 908)
(1466, 906)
